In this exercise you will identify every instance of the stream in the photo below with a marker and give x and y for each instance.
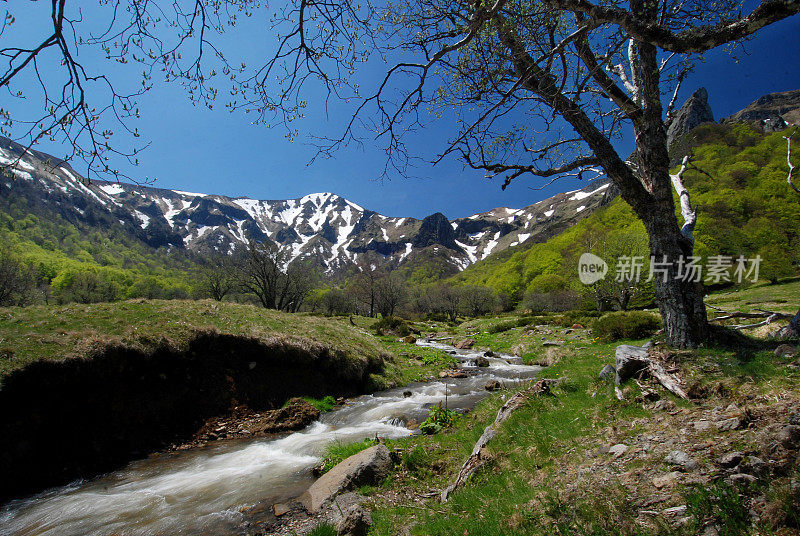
(206, 490)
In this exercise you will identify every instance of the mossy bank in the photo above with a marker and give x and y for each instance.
(87, 388)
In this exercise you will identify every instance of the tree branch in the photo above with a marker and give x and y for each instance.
(698, 39)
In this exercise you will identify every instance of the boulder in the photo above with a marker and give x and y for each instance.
(489, 353)
(493, 385)
(608, 372)
(789, 436)
(552, 343)
(681, 460)
(409, 339)
(785, 350)
(618, 450)
(577, 326)
(465, 344)
(731, 459)
(407, 394)
(667, 480)
(481, 361)
(355, 521)
(726, 425)
(368, 467)
(630, 360)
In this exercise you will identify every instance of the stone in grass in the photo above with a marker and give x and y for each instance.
(369, 466)
(355, 522)
(667, 480)
(681, 460)
(726, 425)
(618, 450)
(786, 350)
(608, 372)
(731, 459)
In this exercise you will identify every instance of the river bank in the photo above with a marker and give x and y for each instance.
(231, 484)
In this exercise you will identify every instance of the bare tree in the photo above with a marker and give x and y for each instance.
(390, 292)
(477, 300)
(218, 278)
(364, 286)
(260, 271)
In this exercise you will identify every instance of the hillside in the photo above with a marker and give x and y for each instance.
(745, 208)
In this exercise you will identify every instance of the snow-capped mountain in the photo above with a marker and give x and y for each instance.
(323, 227)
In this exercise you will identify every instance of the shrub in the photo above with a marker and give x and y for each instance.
(500, 327)
(391, 325)
(569, 318)
(438, 419)
(625, 325)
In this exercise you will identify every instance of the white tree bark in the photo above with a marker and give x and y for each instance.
(689, 213)
(789, 160)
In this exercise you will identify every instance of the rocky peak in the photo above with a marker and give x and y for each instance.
(694, 112)
(770, 113)
(435, 229)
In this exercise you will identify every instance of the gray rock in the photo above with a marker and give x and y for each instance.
(740, 478)
(552, 343)
(630, 360)
(356, 521)
(481, 361)
(730, 460)
(618, 450)
(702, 425)
(726, 425)
(369, 466)
(681, 460)
(785, 350)
(608, 372)
(789, 436)
(666, 480)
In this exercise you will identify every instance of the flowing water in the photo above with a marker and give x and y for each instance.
(206, 490)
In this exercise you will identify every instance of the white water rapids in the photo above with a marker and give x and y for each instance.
(205, 490)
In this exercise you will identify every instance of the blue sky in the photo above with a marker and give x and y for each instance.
(213, 151)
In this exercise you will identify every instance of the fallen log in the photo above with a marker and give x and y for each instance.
(768, 316)
(476, 459)
(633, 361)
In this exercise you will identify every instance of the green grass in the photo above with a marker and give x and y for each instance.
(783, 297)
(531, 441)
(525, 487)
(323, 530)
(324, 404)
(413, 363)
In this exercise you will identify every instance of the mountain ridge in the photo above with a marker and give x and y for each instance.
(322, 228)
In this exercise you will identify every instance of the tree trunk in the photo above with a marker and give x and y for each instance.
(679, 301)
